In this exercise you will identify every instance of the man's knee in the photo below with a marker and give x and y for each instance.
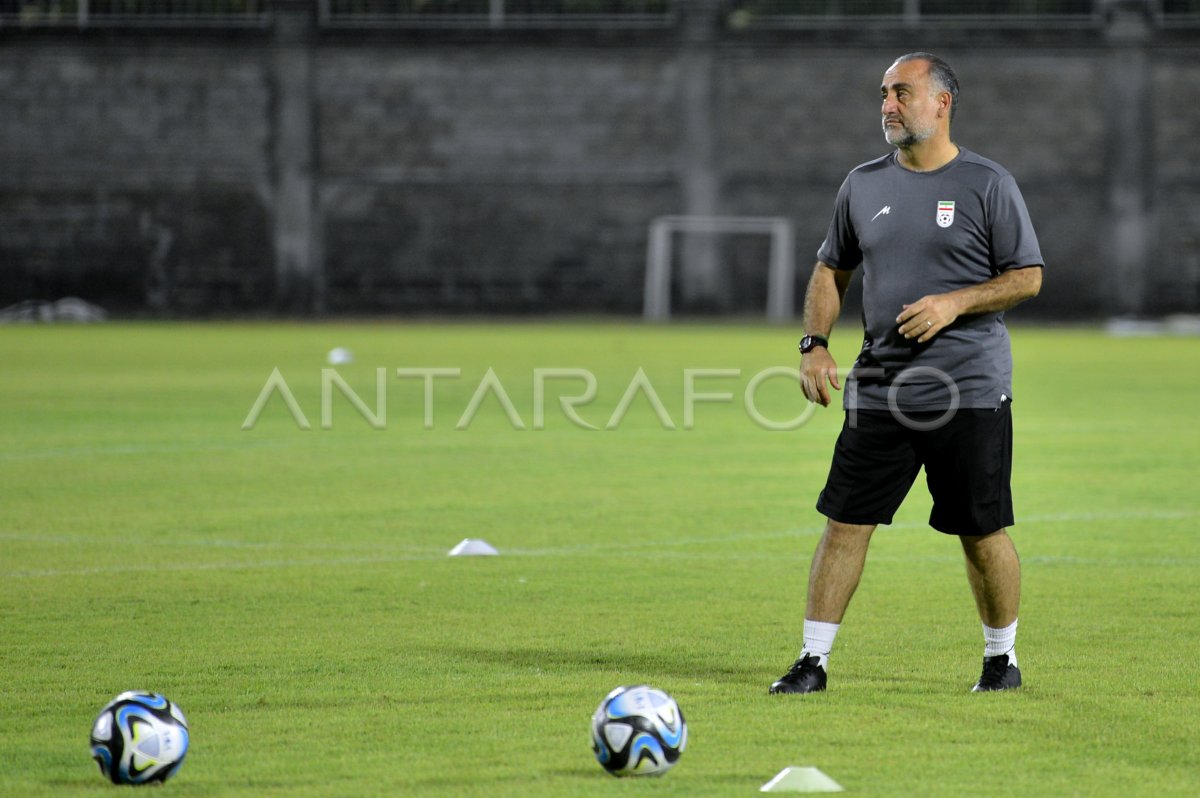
(999, 538)
(849, 533)
(1001, 532)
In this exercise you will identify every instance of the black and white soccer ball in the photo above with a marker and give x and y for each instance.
(139, 738)
(638, 731)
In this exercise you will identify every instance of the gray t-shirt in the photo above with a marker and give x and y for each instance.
(919, 233)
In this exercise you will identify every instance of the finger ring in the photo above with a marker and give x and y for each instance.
(928, 324)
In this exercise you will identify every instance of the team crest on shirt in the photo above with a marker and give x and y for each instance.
(945, 213)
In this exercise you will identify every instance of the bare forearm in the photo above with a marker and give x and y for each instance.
(929, 315)
(823, 299)
(822, 304)
(1002, 292)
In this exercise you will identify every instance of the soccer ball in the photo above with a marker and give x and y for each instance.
(638, 731)
(139, 738)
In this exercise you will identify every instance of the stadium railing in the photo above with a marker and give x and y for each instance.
(498, 14)
(1179, 14)
(577, 14)
(135, 13)
(1057, 14)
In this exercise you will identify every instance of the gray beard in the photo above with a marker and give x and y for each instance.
(906, 136)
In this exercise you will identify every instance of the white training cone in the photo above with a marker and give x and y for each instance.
(473, 547)
(801, 779)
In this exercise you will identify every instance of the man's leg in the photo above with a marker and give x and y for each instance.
(837, 566)
(994, 572)
(874, 465)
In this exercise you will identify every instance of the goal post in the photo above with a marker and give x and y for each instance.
(781, 272)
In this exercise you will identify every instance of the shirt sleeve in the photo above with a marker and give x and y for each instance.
(840, 249)
(1013, 242)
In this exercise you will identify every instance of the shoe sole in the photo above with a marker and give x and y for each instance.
(772, 691)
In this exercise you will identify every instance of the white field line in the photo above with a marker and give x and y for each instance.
(429, 554)
(247, 565)
(207, 543)
(305, 439)
(584, 548)
(121, 449)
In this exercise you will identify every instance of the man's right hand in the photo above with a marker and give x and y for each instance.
(816, 369)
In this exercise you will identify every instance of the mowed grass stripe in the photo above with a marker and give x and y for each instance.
(674, 547)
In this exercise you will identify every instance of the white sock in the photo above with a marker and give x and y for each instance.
(818, 640)
(1001, 641)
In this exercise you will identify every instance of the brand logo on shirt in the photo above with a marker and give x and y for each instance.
(884, 211)
(945, 213)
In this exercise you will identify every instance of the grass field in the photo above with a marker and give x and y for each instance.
(290, 588)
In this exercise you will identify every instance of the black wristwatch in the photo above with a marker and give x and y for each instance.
(810, 342)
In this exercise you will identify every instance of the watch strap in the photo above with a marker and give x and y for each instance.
(809, 342)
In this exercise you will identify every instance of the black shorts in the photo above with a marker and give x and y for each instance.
(967, 460)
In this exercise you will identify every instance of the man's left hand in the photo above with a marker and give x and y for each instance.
(927, 317)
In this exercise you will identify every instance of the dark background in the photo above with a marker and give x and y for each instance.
(407, 158)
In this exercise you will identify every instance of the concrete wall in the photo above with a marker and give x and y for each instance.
(164, 173)
(493, 178)
(135, 176)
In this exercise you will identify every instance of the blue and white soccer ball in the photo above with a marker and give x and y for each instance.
(139, 738)
(638, 731)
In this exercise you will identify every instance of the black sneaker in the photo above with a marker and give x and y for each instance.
(805, 676)
(998, 674)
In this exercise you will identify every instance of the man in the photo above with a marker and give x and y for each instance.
(946, 246)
